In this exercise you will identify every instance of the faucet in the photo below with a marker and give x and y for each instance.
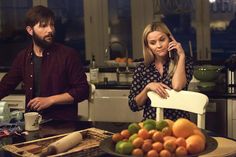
(124, 48)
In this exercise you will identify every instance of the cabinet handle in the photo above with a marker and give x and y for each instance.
(12, 105)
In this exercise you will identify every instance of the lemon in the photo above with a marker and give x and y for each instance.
(126, 148)
(117, 147)
(149, 126)
(132, 137)
(149, 121)
(161, 124)
(133, 128)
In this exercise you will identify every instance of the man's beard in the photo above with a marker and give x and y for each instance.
(42, 42)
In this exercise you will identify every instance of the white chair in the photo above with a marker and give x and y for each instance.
(183, 100)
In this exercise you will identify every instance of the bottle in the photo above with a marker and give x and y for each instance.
(93, 71)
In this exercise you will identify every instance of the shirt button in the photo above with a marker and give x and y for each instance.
(31, 75)
(31, 62)
(47, 53)
(30, 88)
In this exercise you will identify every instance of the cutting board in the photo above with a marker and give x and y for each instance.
(226, 148)
(88, 147)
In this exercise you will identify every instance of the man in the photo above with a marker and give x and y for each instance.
(52, 73)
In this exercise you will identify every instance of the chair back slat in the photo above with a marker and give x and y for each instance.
(194, 102)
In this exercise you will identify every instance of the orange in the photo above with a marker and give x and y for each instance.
(170, 122)
(181, 151)
(170, 145)
(137, 142)
(199, 132)
(157, 146)
(183, 128)
(117, 137)
(165, 153)
(125, 133)
(152, 153)
(195, 144)
(143, 133)
(137, 152)
(180, 141)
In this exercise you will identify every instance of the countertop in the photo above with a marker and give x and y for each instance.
(56, 127)
(220, 91)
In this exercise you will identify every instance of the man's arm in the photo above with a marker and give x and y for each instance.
(40, 103)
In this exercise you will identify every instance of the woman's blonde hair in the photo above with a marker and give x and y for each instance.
(147, 53)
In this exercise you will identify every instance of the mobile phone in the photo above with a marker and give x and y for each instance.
(172, 53)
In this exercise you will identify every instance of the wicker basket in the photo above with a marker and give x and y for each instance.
(89, 146)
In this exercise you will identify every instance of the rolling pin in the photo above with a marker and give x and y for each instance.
(63, 144)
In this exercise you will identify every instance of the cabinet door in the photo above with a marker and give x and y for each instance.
(234, 110)
(234, 129)
(112, 106)
(83, 110)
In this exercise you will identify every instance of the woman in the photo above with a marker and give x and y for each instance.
(165, 66)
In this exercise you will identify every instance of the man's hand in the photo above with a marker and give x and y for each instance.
(40, 103)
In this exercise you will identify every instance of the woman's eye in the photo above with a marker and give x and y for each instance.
(162, 39)
(152, 43)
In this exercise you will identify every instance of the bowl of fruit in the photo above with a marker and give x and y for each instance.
(159, 138)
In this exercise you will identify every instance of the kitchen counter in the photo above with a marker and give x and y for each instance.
(54, 127)
(220, 91)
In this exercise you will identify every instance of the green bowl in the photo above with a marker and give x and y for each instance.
(207, 73)
(206, 86)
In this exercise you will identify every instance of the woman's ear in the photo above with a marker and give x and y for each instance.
(29, 30)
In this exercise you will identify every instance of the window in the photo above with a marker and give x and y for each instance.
(69, 24)
(223, 28)
(13, 36)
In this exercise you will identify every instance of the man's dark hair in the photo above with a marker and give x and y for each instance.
(39, 14)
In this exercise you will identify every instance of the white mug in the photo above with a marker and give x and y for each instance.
(32, 120)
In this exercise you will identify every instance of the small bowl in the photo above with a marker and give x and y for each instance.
(207, 73)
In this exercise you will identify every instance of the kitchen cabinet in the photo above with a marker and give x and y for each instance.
(232, 118)
(15, 101)
(111, 105)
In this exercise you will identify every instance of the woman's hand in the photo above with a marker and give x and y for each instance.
(176, 45)
(159, 88)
